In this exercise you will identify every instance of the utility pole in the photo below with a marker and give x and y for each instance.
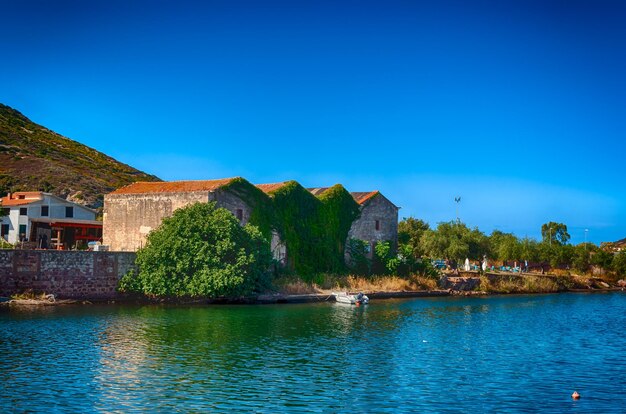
(457, 200)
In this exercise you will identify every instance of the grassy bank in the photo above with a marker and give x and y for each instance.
(328, 283)
(493, 283)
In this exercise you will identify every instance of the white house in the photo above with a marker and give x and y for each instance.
(45, 220)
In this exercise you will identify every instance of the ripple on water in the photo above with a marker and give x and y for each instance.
(518, 353)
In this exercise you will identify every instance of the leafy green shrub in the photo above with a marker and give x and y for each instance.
(385, 261)
(201, 251)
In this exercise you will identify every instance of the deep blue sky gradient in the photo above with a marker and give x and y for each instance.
(519, 107)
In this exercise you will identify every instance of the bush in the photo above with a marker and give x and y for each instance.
(358, 261)
(201, 251)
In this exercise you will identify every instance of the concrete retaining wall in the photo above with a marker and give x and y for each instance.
(66, 274)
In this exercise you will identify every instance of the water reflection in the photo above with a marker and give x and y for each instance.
(411, 355)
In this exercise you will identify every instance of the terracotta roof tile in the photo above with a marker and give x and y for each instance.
(359, 197)
(363, 197)
(143, 187)
(268, 188)
(15, 200)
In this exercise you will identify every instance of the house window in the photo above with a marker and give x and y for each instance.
(44, 211)
(69, 212)
(377, 224)
(22, 231)
(4, 231)
(6, 211)
(239, 214)
(23, 211)
(21, 197)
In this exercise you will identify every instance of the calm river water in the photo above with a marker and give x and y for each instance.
(494, 354)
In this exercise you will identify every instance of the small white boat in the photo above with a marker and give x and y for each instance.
(345, 297)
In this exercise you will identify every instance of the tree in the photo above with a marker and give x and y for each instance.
(619, 263)
(453, 240)
(580, 258)
(410, 231)
(555, 233)
(201, 251)
(602, 259)
(505, 246)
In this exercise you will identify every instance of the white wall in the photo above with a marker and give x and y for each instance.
(56, 209)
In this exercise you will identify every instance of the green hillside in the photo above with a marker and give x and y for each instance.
(34, 158)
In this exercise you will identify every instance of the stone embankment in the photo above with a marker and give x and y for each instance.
(79, 275)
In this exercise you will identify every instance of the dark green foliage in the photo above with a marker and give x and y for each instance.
(262, 214)
(410, 232)
(6, 182)
(338, 212)
(313, 229)
(298, 221)
(454, 240)
(602, 259)
(386, 262)
(201, 251)
(358, 260)
(555, 233)
(619, 263)
(581, 257)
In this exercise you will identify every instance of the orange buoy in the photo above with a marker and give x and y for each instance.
(576, 395)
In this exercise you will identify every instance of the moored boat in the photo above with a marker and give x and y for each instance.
(345, 297)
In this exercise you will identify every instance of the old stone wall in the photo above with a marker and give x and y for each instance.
(234, 204)
(128, 218)
(378, 209)
(66, 274)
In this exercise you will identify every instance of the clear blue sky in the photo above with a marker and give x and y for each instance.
(519, 107)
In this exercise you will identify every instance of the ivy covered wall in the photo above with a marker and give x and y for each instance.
(314, 229)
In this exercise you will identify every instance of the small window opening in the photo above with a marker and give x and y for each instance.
(44, 211)
(377, 224)
(23, 211)
(239, 214)
(21, 197)
(69, 212)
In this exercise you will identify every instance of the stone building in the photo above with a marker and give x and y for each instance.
(378, 219)
(131, 212)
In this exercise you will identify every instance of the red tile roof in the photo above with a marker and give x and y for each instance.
(359, 197)
(363, 197)
(143, 187)
(268, 188)
(15, 200)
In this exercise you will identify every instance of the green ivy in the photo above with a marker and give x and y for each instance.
(339, 210)
(313, 229)
(262, 214)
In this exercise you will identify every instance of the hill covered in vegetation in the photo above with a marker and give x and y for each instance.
(33, 158)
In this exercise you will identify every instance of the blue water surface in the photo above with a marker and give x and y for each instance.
(470, 355)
